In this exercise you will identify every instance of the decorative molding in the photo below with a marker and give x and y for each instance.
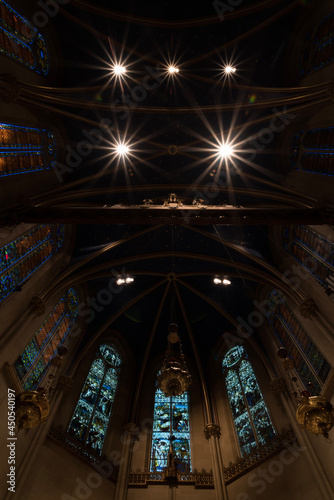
(212, 430)
(307, 308)
(37, 306)
(258, 456)
(65, 383)
(132, 429)
(278, 385)
(200, 480)
(86, 454)
(204, 479)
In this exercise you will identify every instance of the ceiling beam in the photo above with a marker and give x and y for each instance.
(192, 215)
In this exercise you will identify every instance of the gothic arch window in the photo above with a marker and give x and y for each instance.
(318, 47)
(170, 414)
(25, 149)
(314, 252)
(313, 151)
(92, 413)
(34, 360)
(20, 40)
(23, 256)
(310, 363)
(251, 418)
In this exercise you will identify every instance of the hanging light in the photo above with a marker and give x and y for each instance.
(174, 378)
(32, 407)
(314, 413)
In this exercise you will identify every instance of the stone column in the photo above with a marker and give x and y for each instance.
(129, 437)
(212, 433)
(325, 487)
(38, 439)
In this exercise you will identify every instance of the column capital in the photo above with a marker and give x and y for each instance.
(37, 306)
(65, 383)
(278, 385)
(132, 429)
(307, 308)
(212, 430)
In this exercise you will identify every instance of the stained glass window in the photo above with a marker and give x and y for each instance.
(171, 414)
(20, 40)
(251, 418)
(318, 47)
(34, 360)
(314, 252)
(310, 363)
(23, 256)
(91, 416)
(313, 151)
(25, 149)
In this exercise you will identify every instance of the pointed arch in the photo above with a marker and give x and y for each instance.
(91, 416)
(20, 40)
(310, 363)
(314, 252)
(251, 418)
(34, 360)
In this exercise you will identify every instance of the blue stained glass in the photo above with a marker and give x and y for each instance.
(23, 256)
(251, 418)
(318, 47)
(310, 363)
(170, 414)
(34, 360)
(92, 413)
(313, 151)
(20, 40)
(25, 149)
(314, 252)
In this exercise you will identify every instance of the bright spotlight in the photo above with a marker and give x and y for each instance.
(129, 280)
(119, 70)
(226, 282)
(172, 70)
(217, 281)
(229, 69)
(122, 149)
(225, 150)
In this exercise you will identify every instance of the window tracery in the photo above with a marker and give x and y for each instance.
(251, 418)
(92, 413)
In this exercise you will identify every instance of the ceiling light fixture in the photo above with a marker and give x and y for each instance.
(229, 69)
(172, 70)
(119, 69)
(122, 149)
(225, 150)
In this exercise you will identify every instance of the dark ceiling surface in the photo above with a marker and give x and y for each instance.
(174, 152)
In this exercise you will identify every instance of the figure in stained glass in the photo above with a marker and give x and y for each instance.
(251, 418)
(170, 414)
(91, 416)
